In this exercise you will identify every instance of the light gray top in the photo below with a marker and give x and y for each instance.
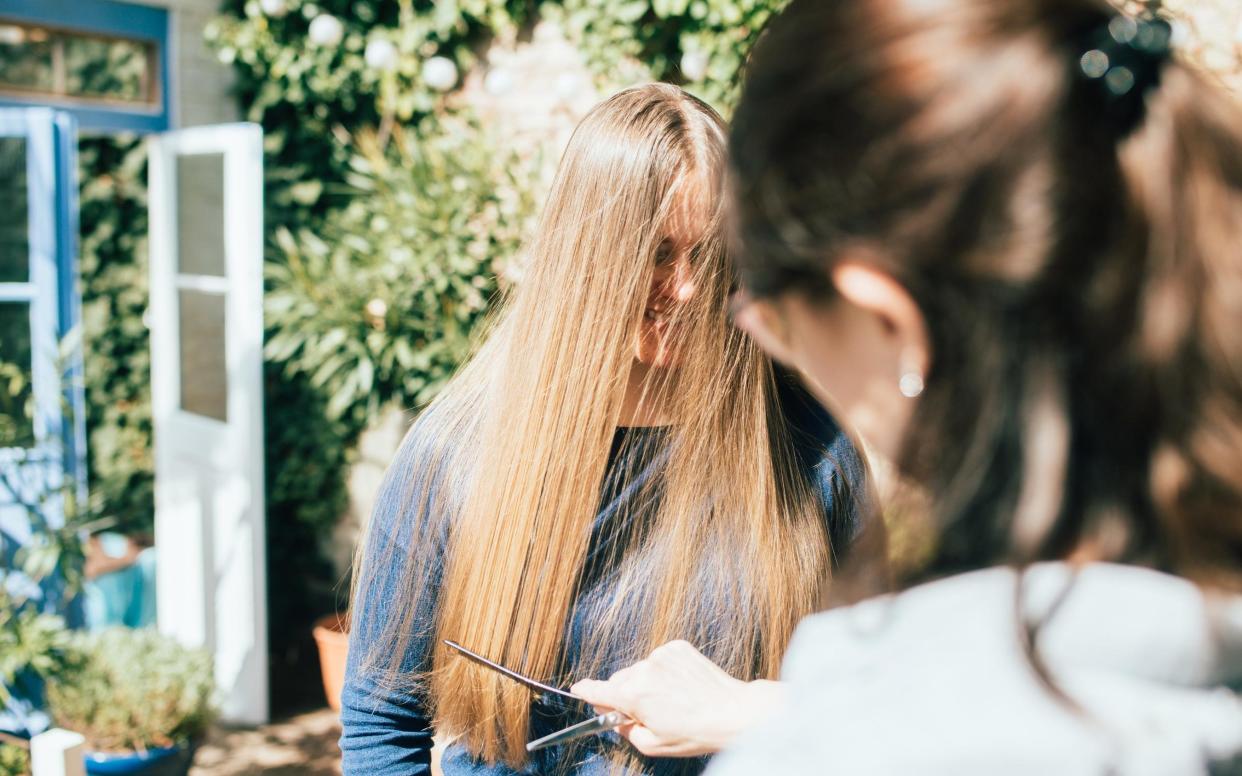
(934, 681)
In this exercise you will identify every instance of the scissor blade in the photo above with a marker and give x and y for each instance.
(581, 730)
(514, 675)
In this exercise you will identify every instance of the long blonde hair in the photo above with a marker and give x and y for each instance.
(511, 456)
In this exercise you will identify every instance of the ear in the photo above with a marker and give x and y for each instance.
(898, 318)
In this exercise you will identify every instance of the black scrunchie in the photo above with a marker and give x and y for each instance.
(1122, 60)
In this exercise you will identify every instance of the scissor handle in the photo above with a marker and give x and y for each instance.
(590, 727)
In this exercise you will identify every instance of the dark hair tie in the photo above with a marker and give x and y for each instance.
(1122, 59)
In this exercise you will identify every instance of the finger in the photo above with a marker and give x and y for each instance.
(598, 694)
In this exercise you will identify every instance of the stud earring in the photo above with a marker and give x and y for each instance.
(911, 381)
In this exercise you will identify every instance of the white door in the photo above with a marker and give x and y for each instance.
(206, 203)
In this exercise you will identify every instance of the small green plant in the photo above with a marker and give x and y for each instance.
(132, 690)
(14, 760)
(30, 480)
(30, 644)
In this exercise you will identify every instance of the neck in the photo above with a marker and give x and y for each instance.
(638, 409)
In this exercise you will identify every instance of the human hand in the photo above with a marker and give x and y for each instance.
(682, 704)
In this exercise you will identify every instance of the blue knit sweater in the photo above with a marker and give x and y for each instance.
(386, 733)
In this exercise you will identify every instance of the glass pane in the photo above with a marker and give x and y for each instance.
(26, 58)
(200, 214)
(16, 424)
(108, 69)
(14, 227)
(204, 376)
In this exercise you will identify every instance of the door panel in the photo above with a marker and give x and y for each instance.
(206, 371)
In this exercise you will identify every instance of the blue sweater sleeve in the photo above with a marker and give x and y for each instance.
(386, 731)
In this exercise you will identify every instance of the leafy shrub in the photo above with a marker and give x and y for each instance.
(700, 44)
(132, 690)
(381, 302)
(302, 93)
(115, 341)
(32, 645)
(14, 760)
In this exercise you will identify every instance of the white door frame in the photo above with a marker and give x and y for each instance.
(209, 488)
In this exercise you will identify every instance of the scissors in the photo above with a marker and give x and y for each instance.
(597, 724)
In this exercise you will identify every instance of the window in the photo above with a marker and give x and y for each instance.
(104, 62)
(16, 424)
(40, 61)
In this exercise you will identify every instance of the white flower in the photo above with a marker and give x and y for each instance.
(694, 65)
(380, 54)
(326, 30)
(440, 73)
(498, 81)
(276, 8)
(376, 308)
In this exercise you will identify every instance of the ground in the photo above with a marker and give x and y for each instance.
(303, 745)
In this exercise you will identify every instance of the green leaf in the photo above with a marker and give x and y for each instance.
(630, 11)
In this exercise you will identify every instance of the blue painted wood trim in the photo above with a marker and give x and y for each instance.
(52, 290)
(69, 303)
(108, 17)
(124, 20)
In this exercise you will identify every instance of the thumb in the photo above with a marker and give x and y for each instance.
(595, 692)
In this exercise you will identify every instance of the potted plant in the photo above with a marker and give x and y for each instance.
(142, 700)
(332, 637)
(14, 759)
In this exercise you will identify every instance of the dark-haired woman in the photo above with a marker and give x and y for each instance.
(1005, 237)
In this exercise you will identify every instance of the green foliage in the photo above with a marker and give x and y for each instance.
(15, 405)
(47, 569)
(384, 254)
(382, 301)
(116, 344)
(650, 40)
(303, 93)
(55, 551)
(14, 760)
(29, 642)
(131, 689)
(307, 458)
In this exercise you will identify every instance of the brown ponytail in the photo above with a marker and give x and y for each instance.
(1183, 170)
(1081, 278)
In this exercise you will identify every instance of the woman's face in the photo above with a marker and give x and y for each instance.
(672, 281)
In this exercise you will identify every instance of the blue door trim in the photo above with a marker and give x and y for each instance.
(108, 17)
(52, 287)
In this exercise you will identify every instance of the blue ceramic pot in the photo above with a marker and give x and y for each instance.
(167, 761)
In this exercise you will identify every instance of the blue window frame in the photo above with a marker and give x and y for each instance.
(39, 306)
(108, 19)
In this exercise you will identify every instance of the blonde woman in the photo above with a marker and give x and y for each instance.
(616, 468)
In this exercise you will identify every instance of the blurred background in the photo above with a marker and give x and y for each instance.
(239, 244)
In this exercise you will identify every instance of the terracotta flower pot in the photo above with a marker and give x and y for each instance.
(332, 637)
